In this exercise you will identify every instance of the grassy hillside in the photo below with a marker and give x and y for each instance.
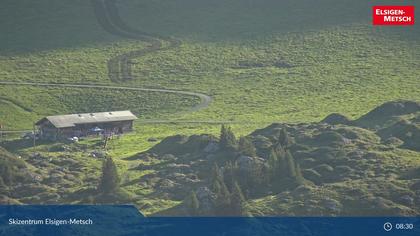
(341, 167)
(337, 169)
(30, 103)
(261, 61)
(250, 56)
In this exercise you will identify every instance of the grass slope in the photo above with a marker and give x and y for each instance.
(262, 61)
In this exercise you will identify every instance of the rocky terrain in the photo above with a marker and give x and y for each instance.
(368, 166)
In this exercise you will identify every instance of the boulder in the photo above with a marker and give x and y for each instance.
(168, 157)
(166, 184)
(332, 205)
(262, 142)
(206, 199)
(211, 147)
(335, 119)
(182, 168)
(247, 163)
(406, 200)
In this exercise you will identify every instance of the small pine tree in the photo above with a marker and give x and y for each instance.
(279, 149)
(110, 180)
(229, 174)
(222, 200)
(217, 174)
(284, 139)
(277, 163)
(227, 138)
(238, 203)
(216, 188)
(193, 204)
(2, 184)
(246, 147)
(273, 164)
(299, 177)
(290, 165)
(6, 174)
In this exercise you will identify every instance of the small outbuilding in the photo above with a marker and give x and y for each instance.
(81, 125)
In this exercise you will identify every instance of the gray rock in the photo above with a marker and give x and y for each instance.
(168, 157)
(152, 140)
(183, 168)
(346, 141)
(380, 203)
(166, 184)
(247, 163)
(407, 200)
(332, 205)
(206, 199)
(211, 147)
(262, 142)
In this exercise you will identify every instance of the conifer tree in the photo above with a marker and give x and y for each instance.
(216, 187)
(222, 200)
(217, 174)
(2, 184)
(229, 174)
(277, 162)
(284, 139)
(294, 172)
(110, 180)
(193, 204)
(238, 203)
(299, 177)
(279, 150)
(246, 147)
(6, 174)
(227, 138)
(220, 190)
(290, 165)
(273, 165)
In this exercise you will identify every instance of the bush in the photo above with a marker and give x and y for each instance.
(227, 138)
(110, 180)
(246, 147)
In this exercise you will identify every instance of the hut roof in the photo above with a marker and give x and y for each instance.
(65, 121)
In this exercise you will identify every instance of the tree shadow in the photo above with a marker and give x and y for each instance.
(28, 26)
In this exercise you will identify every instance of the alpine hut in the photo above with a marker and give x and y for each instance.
(80, 125)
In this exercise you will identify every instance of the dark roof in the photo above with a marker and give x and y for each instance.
(65, 121)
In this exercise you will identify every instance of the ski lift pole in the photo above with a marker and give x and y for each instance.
(34, 135)
(1, 133)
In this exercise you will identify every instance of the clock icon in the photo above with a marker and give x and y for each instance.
(387, 226)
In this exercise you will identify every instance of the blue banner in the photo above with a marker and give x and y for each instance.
(127, 220)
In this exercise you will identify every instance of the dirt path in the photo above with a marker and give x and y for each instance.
(15, 103)
(119, 67)
(205, 100)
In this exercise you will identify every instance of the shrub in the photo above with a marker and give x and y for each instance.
(110, 180)
(246, 147)
(227, 138)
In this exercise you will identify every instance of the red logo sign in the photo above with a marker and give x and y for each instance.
(393, 15)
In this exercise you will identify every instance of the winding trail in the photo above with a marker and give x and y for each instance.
(205, 100)
(119, 67)
(15, 103)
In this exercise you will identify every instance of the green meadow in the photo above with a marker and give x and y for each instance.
(261, 61)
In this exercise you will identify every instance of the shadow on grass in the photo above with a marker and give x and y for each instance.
(31, 26)
(19, 144)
